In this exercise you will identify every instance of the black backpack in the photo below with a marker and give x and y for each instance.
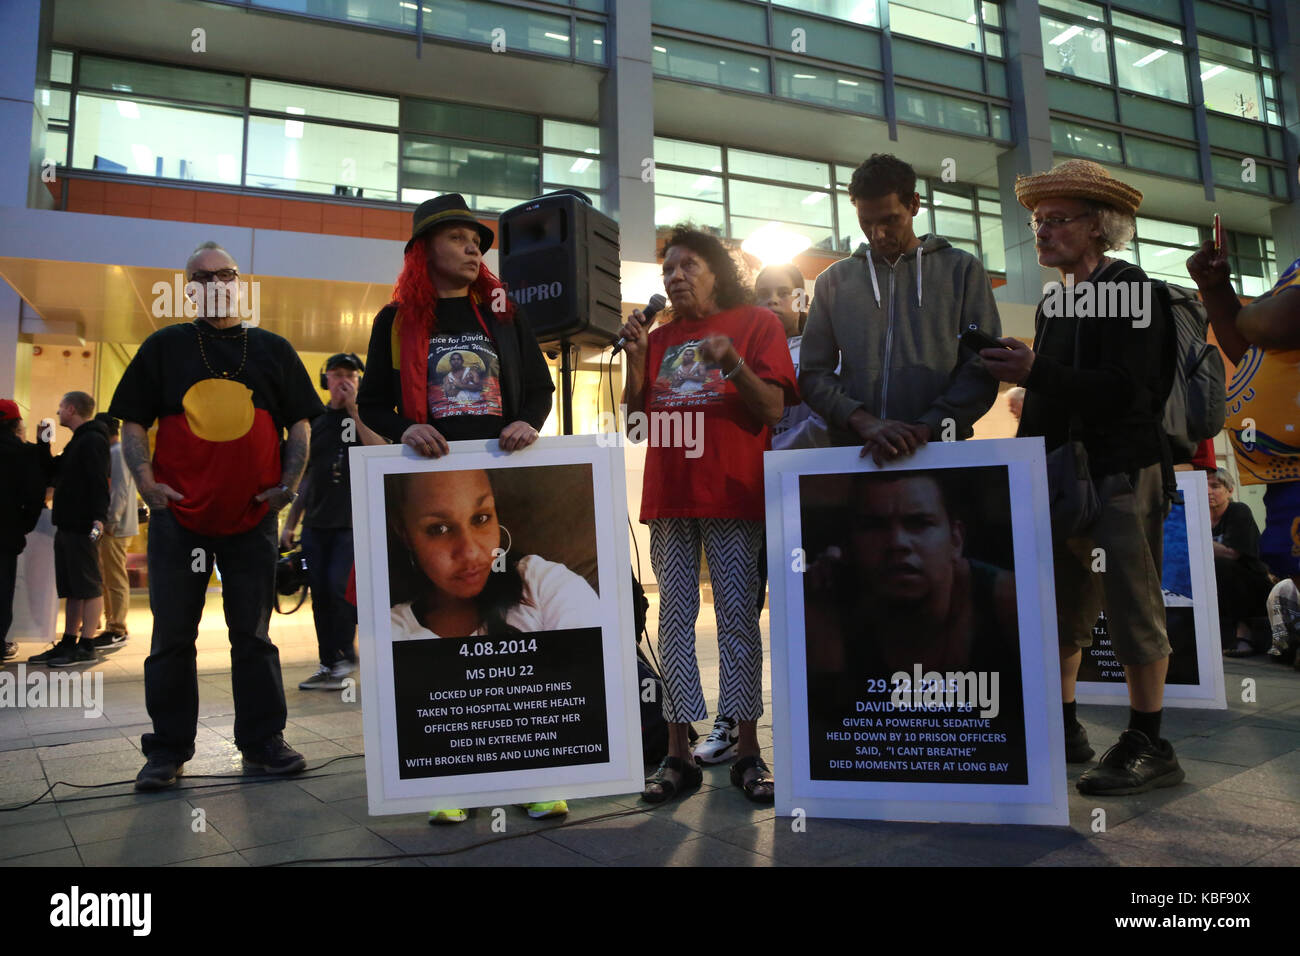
(1197, 403)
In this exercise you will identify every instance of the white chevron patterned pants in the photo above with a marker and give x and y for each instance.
(732, 547)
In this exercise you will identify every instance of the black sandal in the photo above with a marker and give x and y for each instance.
(761, 788)
(659, 787)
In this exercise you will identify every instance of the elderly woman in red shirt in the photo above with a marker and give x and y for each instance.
(709, 494)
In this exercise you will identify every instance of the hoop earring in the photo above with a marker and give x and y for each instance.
(509, 540)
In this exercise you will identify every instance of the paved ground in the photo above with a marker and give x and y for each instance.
(1240, 804)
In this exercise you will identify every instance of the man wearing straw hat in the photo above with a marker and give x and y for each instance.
(1103, 357)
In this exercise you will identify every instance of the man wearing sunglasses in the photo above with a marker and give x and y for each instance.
(223, 393)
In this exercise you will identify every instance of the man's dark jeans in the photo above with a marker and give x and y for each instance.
(177, 591)
(329, 565)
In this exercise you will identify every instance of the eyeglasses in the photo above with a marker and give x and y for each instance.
(221, 275)
(1036, 224)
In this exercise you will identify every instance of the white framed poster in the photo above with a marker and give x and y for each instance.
(494, 607)
(1195, 677)
(914, 656)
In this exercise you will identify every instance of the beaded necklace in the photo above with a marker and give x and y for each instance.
(204, 355)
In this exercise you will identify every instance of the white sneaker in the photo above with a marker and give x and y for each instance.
(328, 678)
(721, 744)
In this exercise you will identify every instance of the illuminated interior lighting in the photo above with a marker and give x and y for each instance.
(127, 109)
(774, 242)
(1151, 57)
(1064, 35)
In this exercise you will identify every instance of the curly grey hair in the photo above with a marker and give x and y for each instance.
(1117, 228)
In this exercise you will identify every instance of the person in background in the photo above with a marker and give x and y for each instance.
(1284, 619)
(781, 289)
(714, 501)
(324, 504)
(122, 525)
(81, 495)
(24, 475)
(1240, 575)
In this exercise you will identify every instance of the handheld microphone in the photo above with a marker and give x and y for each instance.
(652, 308)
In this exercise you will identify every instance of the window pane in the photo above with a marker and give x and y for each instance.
(1151, 70)
(145, 140)
(993, 42)
(1238, 135)
(1147, 28)
(1230, 90)
(992, 14)
(473, 121)
(580, 171)
(1221, 20)
(688, 185)
(56, 146)
(1088, 10)
(954, 225)
(815, 85)
(1001, 123)
(320, 103)
(315, 158)
(950, 22)
(524, 29)
(591, 42)
(1076, 96)
(850, 232)
(1162, 157)
(1223, 50)
(55, 103)
(60, 66)
(991, 247)
(1075, 50)
(779, 204)
(827, 41)
(399, 15)
(745, 22)
(705, 64)
(677, 152)
(854, 11)
(670, 210)
(781, 168)
(1141, 114)
(1228, 172)
(1075, 139)
(959, 69)
(820, 236)
(457, 166)
(166, 82)
(952, 200)
(949, 112)
(575, 136)
(1168, 233)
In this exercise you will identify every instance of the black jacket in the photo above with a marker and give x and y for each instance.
(81, 479)
(1119, 389)
(526, 384)
(24, 475)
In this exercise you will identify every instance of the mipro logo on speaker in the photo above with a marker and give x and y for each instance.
(539, 293)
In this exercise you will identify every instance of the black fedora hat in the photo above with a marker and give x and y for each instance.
(444, 209)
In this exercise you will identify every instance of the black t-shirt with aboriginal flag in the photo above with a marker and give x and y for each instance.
(221, 410)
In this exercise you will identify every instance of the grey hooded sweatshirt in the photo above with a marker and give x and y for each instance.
(892, 331)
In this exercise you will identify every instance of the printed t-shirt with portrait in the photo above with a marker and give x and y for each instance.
(716, 471)
(464, 374)
(218, 440)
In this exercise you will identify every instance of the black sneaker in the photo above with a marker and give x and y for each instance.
(109, 640)
(83, 652)
(275, 756)
(1134, 765)
(159, 773)
(1077, 748)
(64, 647)
(10, 650)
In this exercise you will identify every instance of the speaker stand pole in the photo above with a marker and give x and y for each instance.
(566, 387)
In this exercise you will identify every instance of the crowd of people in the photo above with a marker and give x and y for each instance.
(874, 363)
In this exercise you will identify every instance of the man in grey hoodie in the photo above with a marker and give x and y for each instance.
(890, 316)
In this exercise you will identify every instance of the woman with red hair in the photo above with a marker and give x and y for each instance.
(451, 357)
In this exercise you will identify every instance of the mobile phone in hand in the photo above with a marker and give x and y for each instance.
(974, 338)
(1218, 234)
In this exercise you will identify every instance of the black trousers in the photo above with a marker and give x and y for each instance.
(329, 565)
(1242, 596)
(177, 590)
(8, 581)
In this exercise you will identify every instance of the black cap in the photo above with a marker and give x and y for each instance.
(444, 209)
(345, 360)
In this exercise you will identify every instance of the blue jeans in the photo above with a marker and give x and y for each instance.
(176, 594)
(329, 565)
